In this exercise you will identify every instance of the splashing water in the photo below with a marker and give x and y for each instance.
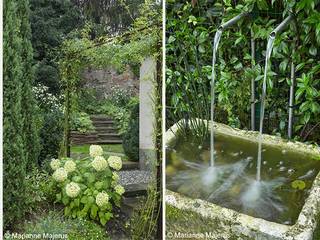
(217, 37)
(263, 96)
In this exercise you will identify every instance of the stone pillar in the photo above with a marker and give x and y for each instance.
(147, 121)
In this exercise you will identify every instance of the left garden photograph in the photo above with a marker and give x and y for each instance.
(82, 136)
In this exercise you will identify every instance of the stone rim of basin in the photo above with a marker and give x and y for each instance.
(304, 226)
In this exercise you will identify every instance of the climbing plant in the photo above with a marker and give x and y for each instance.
(190, 31)
(130, 48)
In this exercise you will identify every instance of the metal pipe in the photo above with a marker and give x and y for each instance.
(273, 34)
(253, 97)
(291, 100)
(232, 21)
(281, 26)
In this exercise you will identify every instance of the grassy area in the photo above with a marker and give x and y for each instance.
(107, 148)
(84, 149)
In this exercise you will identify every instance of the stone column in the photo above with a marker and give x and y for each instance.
(147, 121)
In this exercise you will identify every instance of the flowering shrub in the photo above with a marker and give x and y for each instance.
(45, 99)
(88, 187)
(115, 162)
(119, 96)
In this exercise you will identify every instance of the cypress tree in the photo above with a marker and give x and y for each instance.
(14, 154)
(30, 112)
(20, 118)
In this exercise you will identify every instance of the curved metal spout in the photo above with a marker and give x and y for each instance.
(281, 26)
(232, 21)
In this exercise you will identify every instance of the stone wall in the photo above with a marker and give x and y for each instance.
(147, 152)
(102, 80)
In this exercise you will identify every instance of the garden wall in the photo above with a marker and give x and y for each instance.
(102, 80)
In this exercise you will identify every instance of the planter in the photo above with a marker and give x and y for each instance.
(186, 215)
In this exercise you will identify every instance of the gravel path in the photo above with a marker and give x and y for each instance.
(134, 177)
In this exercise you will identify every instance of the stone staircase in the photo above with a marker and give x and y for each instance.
(105, 132)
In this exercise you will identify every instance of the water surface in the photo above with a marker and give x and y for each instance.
(232, 181)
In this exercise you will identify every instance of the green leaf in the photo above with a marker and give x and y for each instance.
(108, 215)
(67, 211)
(299, 66)
(315, 107)
(58, 196)
(283, 66)
(65, 200)
(94, 211)
(262, 5)
(306, 117)
(313, 51)
(171, 39)
(238, 66)
(201, 49)
(84, 199)
(103, 221)
(77, 202)
(98, 185)
(298, 184)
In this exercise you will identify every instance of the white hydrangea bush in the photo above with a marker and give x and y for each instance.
(91, 183)
(102, 199)
(115, 162)
(55, 164)
(60, 175)
(95, 150)
(70, 166)
(72, 189)
(99, 163)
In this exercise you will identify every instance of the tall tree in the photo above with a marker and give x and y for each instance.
(114, 16)
(21, 137)
(14, 152)
(51, 22)
(30, 113)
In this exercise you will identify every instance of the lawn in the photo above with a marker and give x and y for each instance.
(113, 148)
(107, 148)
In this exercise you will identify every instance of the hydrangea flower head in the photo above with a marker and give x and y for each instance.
(55, 164)
(115, 177)
(95, 150)
(70, 166)
(119, 189)
(72, 189)
(60, 175)
(102, 198)
(99, 163)
(115, 162)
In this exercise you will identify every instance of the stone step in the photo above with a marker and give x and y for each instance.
(115, 141)
(102, 121)
(83, 134)
(131, 204)
(130, 165)
(103, 129)
(109, 136)
(100, 117)
(136, 189)
(103, 124)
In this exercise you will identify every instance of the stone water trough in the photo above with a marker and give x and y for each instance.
(190, 217)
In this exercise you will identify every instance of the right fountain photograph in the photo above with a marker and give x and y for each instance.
(242, 120)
